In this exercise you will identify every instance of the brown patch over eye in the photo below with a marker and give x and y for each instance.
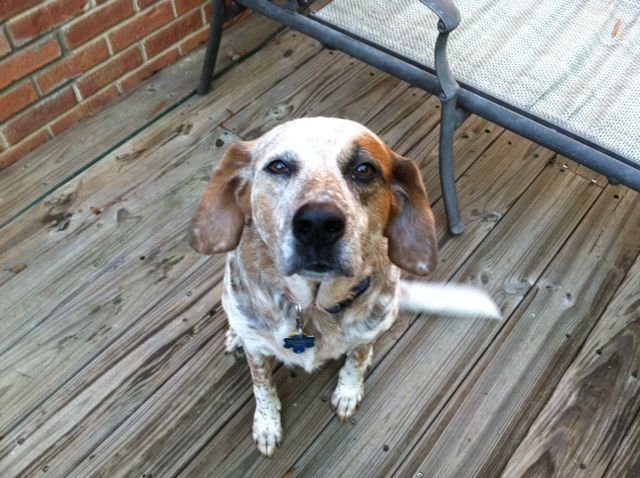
(374, 149)
(368, 169)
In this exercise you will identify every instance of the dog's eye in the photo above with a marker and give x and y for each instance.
(278, 167)
(364, 172)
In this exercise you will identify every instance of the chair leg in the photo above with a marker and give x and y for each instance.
(447, 176)
(213, 45)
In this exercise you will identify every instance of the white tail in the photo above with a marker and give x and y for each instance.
(447, 299)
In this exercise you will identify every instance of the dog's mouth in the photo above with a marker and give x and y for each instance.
(319, 271)
(319, 267)
(317, 264)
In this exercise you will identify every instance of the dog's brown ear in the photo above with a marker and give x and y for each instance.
(411, 228)
(225, 204)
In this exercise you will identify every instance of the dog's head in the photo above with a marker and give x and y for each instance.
(321, 193)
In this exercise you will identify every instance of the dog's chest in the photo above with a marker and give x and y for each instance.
(263, 328)
(330, 340)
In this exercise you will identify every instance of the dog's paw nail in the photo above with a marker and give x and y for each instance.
(345, 401)
(267, 432)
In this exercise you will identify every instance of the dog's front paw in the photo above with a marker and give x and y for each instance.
(345, 399)
(267, 431)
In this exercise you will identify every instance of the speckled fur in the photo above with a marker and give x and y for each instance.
(260, 290)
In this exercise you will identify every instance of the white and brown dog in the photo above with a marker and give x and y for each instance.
(318, 215)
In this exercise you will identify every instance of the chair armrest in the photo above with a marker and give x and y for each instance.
(447, 12)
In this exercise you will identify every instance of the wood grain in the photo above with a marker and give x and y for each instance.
(58, 160)
(580, 428)
(626, 462)
(102, 319)
(480, 427)
(340, 87)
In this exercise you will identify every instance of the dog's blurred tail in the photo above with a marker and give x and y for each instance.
(447, 299)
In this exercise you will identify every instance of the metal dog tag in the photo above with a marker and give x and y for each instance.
(298, 341)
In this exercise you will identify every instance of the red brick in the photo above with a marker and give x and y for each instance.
(146, 3)
(39, 115)
(149, 69)
(169, 36)
(9, 8)
(140, 26)
(84, 109)
(11, 155)
(97, 21)
(109, 71)
(186, 5)
(42, 19)
(22, 63)
(194, 41)
(73, 66)
(4, 44)
(16, 99)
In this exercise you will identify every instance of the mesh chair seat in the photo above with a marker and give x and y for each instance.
(574, 64)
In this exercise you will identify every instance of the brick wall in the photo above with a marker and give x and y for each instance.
(61, 60)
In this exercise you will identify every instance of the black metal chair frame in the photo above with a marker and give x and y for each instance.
(458, 101)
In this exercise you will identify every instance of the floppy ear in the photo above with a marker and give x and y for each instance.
(411, 228)
(225, 204)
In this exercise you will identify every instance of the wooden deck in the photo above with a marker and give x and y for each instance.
(111, 330)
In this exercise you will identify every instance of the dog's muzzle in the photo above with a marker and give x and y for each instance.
(317, 228)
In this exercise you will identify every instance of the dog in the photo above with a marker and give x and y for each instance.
(318, 216)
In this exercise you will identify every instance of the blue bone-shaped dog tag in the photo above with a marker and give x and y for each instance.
(299, 342)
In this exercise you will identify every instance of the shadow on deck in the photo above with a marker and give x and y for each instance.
(112, 333)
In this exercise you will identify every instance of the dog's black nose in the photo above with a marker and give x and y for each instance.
(318, 224)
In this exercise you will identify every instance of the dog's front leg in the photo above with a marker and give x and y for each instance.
(267, 429)
(350, 389)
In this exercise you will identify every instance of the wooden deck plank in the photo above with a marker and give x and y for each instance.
(55, 280)
(484, 198)
(61, 158)
(178, 329)
(107, 317)
(580, 428)
(507, 263)
(482, 425)
(626, 462)
(348, 87)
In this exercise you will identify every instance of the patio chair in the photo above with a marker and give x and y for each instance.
(563, 73)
